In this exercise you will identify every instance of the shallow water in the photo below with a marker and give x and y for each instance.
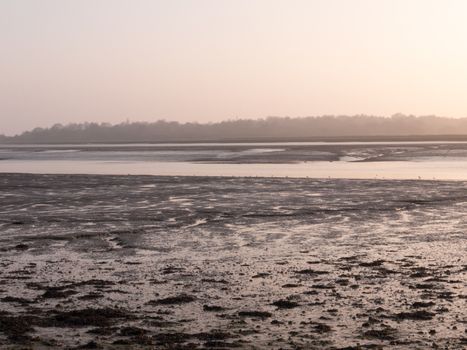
(393, 160)
(432, 170)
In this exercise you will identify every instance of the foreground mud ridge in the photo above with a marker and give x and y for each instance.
(121, 262)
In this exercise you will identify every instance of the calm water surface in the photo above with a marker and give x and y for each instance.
(381, 160)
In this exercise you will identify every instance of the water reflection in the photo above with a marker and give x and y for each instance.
(428, 170)
(395, 160)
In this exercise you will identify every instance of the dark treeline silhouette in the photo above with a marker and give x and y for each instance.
(273, 128)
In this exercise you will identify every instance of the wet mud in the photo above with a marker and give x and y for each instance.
(141, 262)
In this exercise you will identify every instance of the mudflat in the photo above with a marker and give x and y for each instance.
(120, 262)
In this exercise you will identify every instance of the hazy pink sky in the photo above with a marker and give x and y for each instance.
(207, 60)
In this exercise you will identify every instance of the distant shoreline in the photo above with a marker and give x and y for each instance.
(359, 128)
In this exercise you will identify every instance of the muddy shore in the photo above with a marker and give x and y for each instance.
(259, 153)
(119, 262)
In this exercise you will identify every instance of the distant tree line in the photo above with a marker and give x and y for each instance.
(271, 128)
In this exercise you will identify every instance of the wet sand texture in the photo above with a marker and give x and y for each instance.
(120, 262)
(273, 153)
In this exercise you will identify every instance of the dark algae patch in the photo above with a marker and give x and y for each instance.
(311, 272)
(212, 308)
(420, 315)
(16, 327)
(285, 304)
(57, 293)
(175, 300)
(381, 334)
(87, 317)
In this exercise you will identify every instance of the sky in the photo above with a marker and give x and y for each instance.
(64, 61)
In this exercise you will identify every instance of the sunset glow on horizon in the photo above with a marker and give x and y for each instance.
(210, 60)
